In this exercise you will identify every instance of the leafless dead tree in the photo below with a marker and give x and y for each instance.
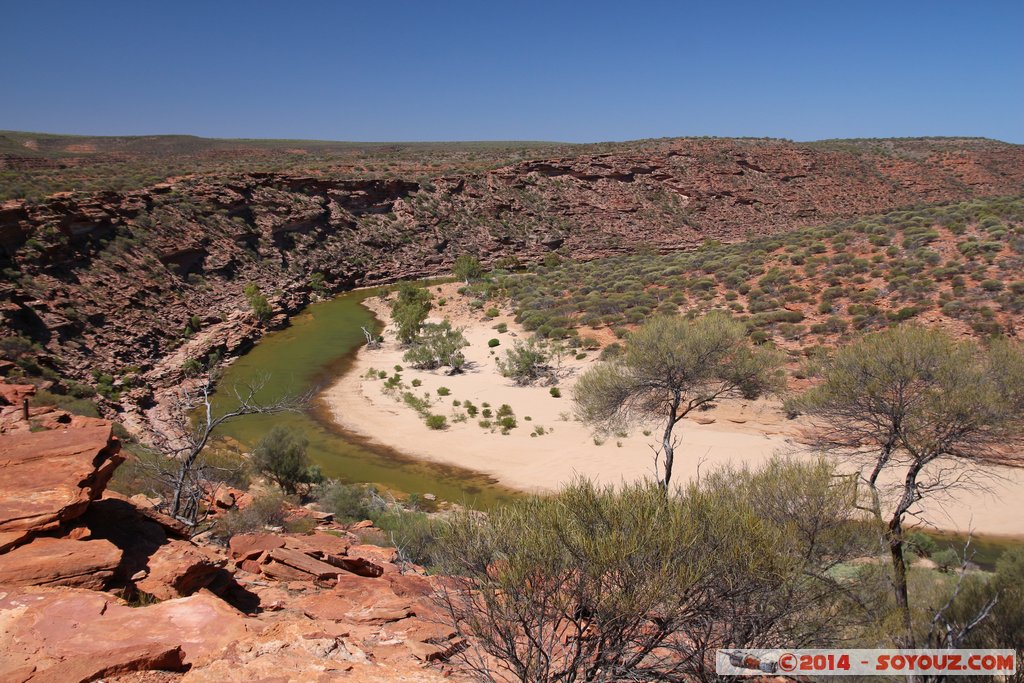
(183, 442)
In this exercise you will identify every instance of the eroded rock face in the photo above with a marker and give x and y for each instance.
(61, 562)
(274, 607)
(48, 478)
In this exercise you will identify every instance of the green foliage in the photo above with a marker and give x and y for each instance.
(921, 544)
(267, 509)
(467, 268)
(414, 534)
(555, 392)
(349, 502)
(437, 345)
(526, 362)
(757, 276)
(673, 365)
(437, 421)
(493, 342)
(317, 283)
(443, 391)
(921, 403)
(646, 570)
(72, 404)
(409, 309)
(258, 302)
(281, 456)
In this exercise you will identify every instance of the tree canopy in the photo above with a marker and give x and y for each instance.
(923, 405)
(281, 456)
(672, 366)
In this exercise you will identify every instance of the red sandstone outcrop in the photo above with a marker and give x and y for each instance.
(49, 478)
(272, 606)
(61, 562)
(77, 635)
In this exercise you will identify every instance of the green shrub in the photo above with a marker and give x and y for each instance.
(437, 421)
(437, 345)
(258, 302)
(349, 502)
(921, 543)
(992, 285)
(555, 392)
(493, 342)
(414, 534)
(443, 391)
(525, 362)
(281, 456)
(267, 509)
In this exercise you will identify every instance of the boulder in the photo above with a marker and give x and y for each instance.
(357, 565)
(14, 394)
(60, 562)
(146, 508)
(178, 569)
(251, 546)
(358, 600)
(224, 499)
(296, 559)
(49, 477)
(318, 544)
(71, 634)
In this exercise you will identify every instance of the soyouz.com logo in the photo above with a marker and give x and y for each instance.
(754, 662)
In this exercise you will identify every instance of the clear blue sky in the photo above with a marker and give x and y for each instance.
(514, 70)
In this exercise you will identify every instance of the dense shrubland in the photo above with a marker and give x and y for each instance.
(636, 583)
(960, 264)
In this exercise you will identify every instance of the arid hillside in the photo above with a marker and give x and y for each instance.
(97, 287)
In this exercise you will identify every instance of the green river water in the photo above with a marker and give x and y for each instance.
(312, 352)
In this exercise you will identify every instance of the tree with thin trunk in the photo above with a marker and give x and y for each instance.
(467, 268)
(671, 367)
(409, 310)
(919, 411)
(185, 439)
(281, 456)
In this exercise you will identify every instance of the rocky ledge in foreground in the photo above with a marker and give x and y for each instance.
(96, 585)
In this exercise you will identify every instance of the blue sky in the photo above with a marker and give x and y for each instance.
(523, 70)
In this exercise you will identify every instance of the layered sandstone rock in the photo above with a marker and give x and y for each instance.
(78, 635)
(49, 478)
(272, 607)
(61, 562)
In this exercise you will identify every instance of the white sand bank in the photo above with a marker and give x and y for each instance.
(742, 431)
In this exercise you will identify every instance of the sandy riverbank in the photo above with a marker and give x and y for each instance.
(736, 432)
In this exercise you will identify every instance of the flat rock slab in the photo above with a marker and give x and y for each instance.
(60, 562)
(50, 477)
(50, 631)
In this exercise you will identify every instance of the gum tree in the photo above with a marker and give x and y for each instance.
(409, 310)
(924, 407)
(671, 367)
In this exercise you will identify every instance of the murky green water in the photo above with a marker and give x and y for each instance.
(310, 353)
